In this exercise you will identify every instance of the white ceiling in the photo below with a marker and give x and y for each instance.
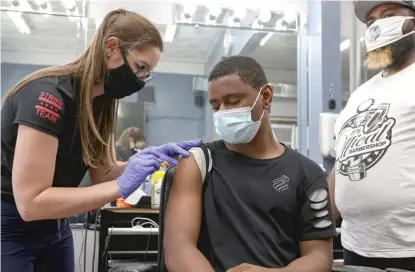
(57, 34)
(279, 52)
(191, 44)
(56, 40)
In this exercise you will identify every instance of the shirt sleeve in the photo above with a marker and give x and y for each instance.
(315, 220)
(40, 106)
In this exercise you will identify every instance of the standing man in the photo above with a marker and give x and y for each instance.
(373, 183)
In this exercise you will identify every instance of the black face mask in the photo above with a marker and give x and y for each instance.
(122, 82)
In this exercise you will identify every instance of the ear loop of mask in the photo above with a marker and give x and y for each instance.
(124, 56)
(256, 100)
(413, 22)
(410, 32)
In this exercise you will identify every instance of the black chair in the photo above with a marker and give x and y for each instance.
(164, 197)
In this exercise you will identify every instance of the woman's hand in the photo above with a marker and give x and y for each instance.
(147, 161)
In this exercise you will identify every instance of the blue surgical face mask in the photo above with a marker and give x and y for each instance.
(236, 126)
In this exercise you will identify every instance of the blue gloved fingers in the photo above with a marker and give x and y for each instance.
(151, 160)
(138, 168)
(163, 157)
(174, 150)
(189, 144)
(147, 150)
(166, 158)
(151, 169)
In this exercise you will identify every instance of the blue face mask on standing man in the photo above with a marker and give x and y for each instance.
(236, 126)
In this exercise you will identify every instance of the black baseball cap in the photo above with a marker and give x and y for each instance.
(363, 8)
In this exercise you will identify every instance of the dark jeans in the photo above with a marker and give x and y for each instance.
(38, 246)
(351, 258)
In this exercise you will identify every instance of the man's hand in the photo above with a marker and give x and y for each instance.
(249, 268)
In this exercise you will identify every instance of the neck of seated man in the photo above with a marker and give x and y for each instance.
(263, 146)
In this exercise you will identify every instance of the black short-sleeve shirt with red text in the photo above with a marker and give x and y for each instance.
(49, 105)
(40, 106)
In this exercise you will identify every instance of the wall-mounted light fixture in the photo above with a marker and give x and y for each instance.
(71, 10)
(213, 14)
(188, 12)
(44, 7)
(264, 17)
(280, 26)
(20, 5)
(218, 16)
(289, 17)
(237, 16)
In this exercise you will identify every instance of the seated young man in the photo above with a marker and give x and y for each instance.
(265, 207)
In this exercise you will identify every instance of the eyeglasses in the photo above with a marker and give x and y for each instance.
(143, 71)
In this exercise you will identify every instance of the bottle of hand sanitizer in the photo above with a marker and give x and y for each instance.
(156, 190)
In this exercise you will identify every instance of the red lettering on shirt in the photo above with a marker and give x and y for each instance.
(49, 107)
(47, 113)
(51, 100)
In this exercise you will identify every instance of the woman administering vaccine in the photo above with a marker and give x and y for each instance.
(59, 122)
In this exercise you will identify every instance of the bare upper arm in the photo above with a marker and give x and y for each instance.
(183, 216)
(332, 180)
(322, 249)
(33, 165)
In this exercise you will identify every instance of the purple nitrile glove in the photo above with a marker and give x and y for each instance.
(147, 161)
(176, 149)
(139, 167)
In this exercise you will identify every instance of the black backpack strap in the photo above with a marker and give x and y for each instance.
(204, 242)
(207, 154)
(166, 186)
(212, 146)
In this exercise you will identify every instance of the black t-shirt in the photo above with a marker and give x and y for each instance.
(257, 211)
(51, 106)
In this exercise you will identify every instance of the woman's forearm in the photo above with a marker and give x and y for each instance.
(117, 170)
(58, 202)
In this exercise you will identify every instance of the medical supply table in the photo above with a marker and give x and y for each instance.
(119, 241)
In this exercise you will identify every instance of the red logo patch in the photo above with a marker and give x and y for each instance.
(48, 107)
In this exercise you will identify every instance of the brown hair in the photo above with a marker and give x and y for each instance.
(132, 132)
(133, 32)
